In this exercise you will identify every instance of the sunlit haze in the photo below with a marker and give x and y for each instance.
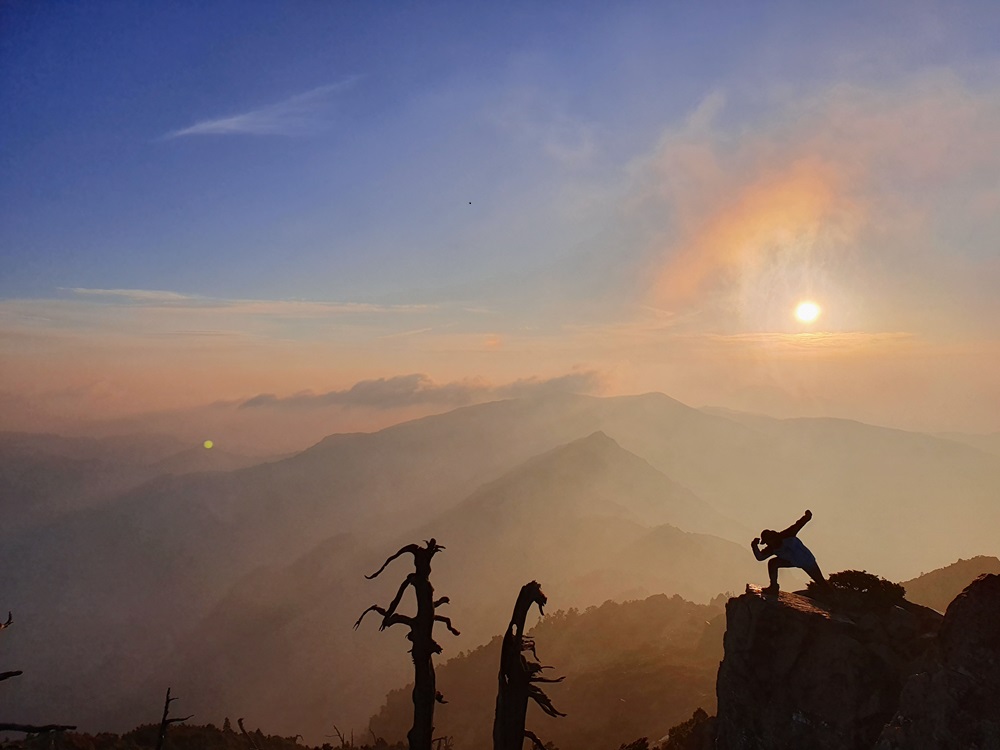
(214, 204)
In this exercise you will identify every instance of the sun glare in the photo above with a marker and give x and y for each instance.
(807, 312)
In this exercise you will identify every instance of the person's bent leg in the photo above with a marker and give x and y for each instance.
(772, 568)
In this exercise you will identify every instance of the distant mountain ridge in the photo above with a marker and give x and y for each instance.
(583, 516)
(149, 566)
(44, 477)
(938, 588)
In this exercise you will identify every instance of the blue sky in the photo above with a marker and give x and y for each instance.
(368, 194)
(452, 156)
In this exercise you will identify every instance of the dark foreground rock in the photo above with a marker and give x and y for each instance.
(798, 673)
(955, 702)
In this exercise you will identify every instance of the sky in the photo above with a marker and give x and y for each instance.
(385, 209)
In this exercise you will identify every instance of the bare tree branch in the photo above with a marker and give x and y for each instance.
(447, 623)
(388, 619)
(373, 608)
(343, 742)
(10, 619)
(8, 675)
(408, 581)
(411, 548)
(535, 742)
(543, 701)
(547, 679)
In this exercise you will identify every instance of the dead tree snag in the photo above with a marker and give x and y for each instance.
(253, 745)
(517, 677)
(166, 721)
(421, 635)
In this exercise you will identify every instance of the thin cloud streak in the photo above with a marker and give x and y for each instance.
(133, 295)
(102, 316)
(178, 300)
(417, 389)
(301, 114)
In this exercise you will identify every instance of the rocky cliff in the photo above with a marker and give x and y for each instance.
(799, 673)
(955, 701)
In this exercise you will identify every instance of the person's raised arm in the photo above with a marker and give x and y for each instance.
(760, 554)
(796, 527)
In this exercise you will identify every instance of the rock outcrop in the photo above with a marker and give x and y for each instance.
(798, 673)
(955, 701)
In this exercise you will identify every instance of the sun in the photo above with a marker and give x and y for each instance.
(807, 312)
(208, 443)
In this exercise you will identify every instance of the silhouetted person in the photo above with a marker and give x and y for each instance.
(788, 551)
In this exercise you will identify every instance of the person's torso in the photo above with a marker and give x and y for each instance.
(793, 550)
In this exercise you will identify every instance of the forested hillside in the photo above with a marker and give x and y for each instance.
(632, 669)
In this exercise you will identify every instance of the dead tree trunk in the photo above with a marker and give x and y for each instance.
(517, 676)
(421, 635)
(253, 745)
(166, 721)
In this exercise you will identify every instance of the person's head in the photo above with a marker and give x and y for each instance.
(770, 537)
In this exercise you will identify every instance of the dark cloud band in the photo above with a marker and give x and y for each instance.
(418, 389)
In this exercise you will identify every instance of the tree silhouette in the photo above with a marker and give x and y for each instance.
(166, 721)
(517, 677)
(421, 635)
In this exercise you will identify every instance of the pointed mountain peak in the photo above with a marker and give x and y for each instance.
(598, 438)
(593, 446)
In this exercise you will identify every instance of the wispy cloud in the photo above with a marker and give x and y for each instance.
(272, 307)
(534, 116)
(302, 114)
(141, 317)
(418, 389)
(133, 295)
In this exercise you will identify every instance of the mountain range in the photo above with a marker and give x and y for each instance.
(239, 587)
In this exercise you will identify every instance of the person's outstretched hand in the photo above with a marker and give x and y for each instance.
(808, 514)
